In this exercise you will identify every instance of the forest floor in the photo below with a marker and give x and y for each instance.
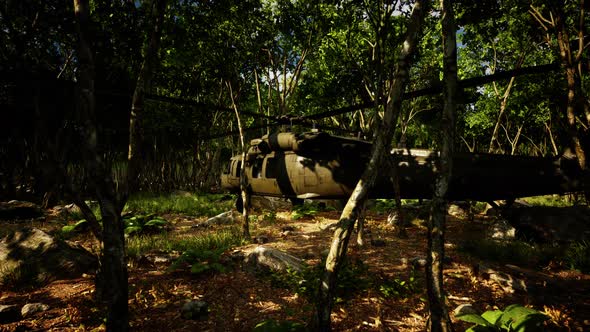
(388, 294)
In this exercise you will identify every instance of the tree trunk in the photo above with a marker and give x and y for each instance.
(379, 151)
(113, 262)
(439, 316)
(143, 84)
(244, 190)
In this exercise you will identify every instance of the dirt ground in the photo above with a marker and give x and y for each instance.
(239, 300)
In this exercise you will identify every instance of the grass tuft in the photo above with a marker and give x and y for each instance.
(164, 242)
(190, 204)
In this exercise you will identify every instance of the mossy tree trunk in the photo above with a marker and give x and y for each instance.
(379, 152)
(113, 263)
(439, 316)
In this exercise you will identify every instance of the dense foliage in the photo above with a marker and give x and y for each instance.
(273, 58)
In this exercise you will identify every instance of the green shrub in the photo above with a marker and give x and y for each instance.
(514, 318)
(577, 256)
(384, 205)
(549, 200)
(80, 226)
(399, 288)
(308, 210)
(352, 277)
(144, 224)
(513, 252)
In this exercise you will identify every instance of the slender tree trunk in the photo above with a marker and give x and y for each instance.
(244, 185)
(144, 81)
(379, 151)
(439, 316)
(113, 263)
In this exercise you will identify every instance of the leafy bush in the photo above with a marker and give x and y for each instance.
(78, 227)
(352, 277)
(144, 224)
(514, 252)
(399, 288)
(514, 318)
(549, 200)
(577, 256)
(308, 210)
(384, 205)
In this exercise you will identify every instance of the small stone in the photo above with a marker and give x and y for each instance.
(261, 239)
(33, 308)
(195, 310)
(418, 262)
(378, 243)
(465, 309)
(288, 229)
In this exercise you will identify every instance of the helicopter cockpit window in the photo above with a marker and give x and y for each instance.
(271, 168)
(257, 168)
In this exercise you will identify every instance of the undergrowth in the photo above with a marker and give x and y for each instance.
(353, 277)
(190, 204)
(516, 252)
(164, 242)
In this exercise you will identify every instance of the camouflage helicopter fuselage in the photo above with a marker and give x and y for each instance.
(322, 166)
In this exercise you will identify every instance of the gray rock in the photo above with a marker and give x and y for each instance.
(378, 243)
(9, 313)
(465, 309)
(421, 261)
(501, 230)
(195, 310)
(269, 203)
(261, 239)
(33, 308)
(287, 229)
(418, 262)
(40, 257)
(225, 218)
(19, 210)
(264, 259)
(459, 209)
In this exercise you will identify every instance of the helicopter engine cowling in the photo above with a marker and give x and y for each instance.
(283, 141)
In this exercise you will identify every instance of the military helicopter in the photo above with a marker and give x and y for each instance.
(317, 165)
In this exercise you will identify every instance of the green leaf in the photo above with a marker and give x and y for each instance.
(156, 223)
(492, 316)
(132, 229)
(474, 318)
(81, 222)
(68, 228)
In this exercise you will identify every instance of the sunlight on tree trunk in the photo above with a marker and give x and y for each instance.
(379, 152)
(439, 316)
